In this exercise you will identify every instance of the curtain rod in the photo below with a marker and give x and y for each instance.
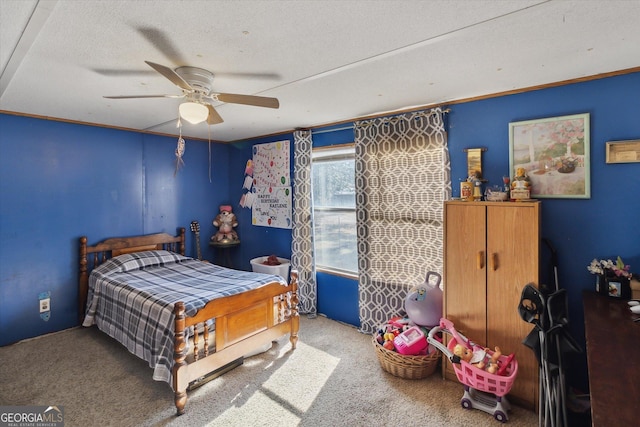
(316, 132)
(395, 118)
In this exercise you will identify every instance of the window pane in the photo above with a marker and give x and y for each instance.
(334, 203)
(334, 184)
(335, 239)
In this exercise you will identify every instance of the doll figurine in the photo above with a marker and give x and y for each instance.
(521, 185)
(521, 180)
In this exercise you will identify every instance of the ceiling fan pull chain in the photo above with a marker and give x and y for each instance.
(179, 150)
(179, 154)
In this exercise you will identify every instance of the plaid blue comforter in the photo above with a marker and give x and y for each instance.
(131, 298)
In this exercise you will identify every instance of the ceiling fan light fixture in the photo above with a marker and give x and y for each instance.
(193, 112)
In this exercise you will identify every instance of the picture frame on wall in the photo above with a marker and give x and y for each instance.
(555, 154)
(623, 151)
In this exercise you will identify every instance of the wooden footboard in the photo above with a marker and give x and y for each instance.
(244, 322)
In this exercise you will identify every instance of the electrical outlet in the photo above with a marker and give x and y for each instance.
(45, 305)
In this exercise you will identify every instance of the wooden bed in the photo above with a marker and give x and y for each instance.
(243, 322)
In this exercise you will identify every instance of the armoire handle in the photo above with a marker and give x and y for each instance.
(480, 260)
(494, 261)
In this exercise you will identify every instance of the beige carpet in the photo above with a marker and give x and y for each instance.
(333, 378)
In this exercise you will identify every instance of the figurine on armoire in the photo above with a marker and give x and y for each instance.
(521, 185)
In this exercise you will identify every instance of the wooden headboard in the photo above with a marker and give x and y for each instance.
(117, 246)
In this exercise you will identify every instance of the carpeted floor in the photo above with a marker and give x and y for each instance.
(333, 378)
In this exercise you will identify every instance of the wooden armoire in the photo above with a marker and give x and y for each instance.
(492, 250)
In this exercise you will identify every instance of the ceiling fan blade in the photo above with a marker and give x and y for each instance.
(258, 101)
(171, 75)
(143, 96)
(214, 118)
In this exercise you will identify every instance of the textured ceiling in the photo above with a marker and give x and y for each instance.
(326, 61)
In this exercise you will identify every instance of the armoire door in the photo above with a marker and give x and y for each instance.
(465, 272)
(513, 244)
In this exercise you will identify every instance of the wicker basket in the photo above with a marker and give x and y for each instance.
(408, 367)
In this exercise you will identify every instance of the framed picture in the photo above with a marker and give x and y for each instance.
(554, 155)
(623, 151)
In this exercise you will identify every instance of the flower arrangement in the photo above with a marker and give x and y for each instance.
(610, 268)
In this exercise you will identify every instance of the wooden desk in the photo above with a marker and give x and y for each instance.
(613, 357)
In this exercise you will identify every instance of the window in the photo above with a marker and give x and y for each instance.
(334, 209)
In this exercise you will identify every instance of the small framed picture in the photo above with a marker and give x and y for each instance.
(623, 151)
(614, 289)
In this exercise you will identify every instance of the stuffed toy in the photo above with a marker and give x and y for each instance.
(225, 221)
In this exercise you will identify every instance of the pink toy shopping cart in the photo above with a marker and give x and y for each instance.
(482, 389)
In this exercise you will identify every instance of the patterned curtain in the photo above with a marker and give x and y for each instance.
(302, 233)
(403, 177)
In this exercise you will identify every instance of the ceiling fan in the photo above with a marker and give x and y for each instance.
(196, 85)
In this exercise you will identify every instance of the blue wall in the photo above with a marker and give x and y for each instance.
(337, 296)
(604, 226)
(255, 241)
(59, 181)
